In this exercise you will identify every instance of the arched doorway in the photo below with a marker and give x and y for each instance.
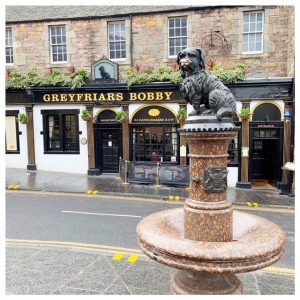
(266, 144)
(154, 135)
(108, 141)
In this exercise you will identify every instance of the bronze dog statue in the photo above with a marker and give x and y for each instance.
(200, 87)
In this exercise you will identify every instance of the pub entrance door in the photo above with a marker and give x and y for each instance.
(266, 151)
(108, 144)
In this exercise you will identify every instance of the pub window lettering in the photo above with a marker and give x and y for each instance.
(61, 132)
(9, 46)
(117, 41)
(253, 32)
(177, 35)
(58, 43)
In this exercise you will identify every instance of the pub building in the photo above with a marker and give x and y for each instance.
(57, 139)
(104, 40)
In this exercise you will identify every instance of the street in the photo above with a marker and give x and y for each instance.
(105, 220)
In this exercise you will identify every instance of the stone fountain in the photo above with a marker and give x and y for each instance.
(206, 240)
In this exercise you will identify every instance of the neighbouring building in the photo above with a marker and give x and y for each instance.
(55, 138)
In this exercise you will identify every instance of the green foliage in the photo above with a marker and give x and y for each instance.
(181, 113)
(57, 78)
(227, 75)
(22, 118)
(15, 80)
(84, 113)
(120, 115)
(245, 112)
(159, 74)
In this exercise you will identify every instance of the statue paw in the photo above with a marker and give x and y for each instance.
(208, 112)
(194, 113)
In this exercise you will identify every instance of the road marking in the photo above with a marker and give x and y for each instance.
(132, 258)
(113, 249)
(272, 208)
(13, 186)
(118, 256)
(98, 214)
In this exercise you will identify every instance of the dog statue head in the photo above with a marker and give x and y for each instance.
(190, 61)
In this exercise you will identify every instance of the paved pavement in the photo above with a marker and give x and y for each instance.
(44, 269)
(36, 268)
(112, 185)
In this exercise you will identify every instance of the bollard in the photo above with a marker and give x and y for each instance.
(126, 171)
(157, 175)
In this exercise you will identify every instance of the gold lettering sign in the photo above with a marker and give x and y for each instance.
(150, 96)
(83, 97)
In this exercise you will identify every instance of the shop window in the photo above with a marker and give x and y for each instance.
(58, 43)
(177, 35)
(11, 133)
(61, 131)
(117, 41)
(266, 112)
(253, 32)
(233, 157)
(155, 143)
(9, 46)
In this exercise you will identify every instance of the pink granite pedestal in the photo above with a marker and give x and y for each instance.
(206, 240)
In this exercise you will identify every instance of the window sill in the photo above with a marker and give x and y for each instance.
(61, 152)
(253, 54)
(58, 62)
(12, 152)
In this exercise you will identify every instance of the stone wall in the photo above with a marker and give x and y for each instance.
(87, 41)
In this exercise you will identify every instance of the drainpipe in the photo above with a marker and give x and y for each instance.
(131, 43)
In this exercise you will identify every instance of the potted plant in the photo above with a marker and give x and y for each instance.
(85, 115)
(245, 113)
(22, 118)
(181, 114)
(120, 115)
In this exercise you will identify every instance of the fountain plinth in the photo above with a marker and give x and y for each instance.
(206, 239)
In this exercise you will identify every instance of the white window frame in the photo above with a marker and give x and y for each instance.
(253, 32)
(9, 46)
(186, 36)
(61, 44)
(116, 41)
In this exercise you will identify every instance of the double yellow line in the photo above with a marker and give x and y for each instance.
(120, 251)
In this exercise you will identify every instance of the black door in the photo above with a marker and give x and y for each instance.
(264, 160)
(110, 149)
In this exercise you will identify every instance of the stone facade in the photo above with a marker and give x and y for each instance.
(87, 40)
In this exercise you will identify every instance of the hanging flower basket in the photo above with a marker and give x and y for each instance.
(85, 115)
(244, 114)
(22, 118)
(120, 115)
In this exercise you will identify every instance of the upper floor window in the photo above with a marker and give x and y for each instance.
(9, 46)
(177, 35)
(58, 43)
(116, 40)
(253, 32)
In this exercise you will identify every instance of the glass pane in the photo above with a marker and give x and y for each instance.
(253, 17)
(177, 22)
(53, 132)
(112, 54)
(183, 22)
(245, 47)
(258, 46)
(171, 23)
(58, 40)
(246, 27)
(183, 31)
(11, 133)
(259, 16)
(251, 38)
(252, 27)
(259, 26)
(246, 17)
(71, 133)
(171, 32)
(251, 46)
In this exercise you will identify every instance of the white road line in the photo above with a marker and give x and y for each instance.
(98, 214)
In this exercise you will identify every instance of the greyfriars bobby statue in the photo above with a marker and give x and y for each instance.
(200, 87)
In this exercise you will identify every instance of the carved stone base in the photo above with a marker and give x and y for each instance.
(186, 282)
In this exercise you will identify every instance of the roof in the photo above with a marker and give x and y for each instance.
(22, 13)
